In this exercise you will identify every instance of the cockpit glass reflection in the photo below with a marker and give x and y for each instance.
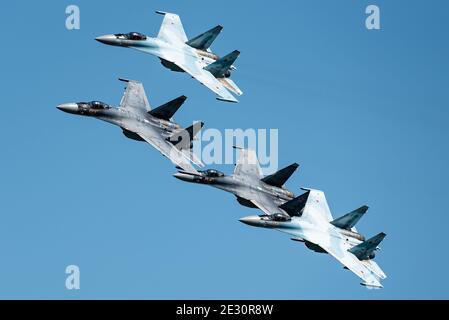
(279, 217)
(95, 105)
(131, 36)
(213, 173)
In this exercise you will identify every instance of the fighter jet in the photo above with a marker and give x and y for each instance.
(247, 184)
(180, 54)
(306, 218)
(138, 122)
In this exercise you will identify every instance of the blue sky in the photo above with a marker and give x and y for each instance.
(365, 113)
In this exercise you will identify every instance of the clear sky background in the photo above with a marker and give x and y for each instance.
(365, 113)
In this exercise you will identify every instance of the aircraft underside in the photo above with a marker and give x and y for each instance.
(171, 65)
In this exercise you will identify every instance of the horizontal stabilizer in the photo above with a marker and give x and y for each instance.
(220, 67)
(365, 250)
(296, 206)
(167, 110)
(279, 178)
(183, 139)
(204, 40)
(350, 219)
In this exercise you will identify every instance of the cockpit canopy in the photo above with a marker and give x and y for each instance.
(213, 173)
(96, 105)
(280, 217)
(131, 36)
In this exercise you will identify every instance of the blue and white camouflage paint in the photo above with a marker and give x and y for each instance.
(306, 218)
(177, 53)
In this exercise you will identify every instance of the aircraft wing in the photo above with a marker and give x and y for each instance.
(374, 267)
(231, 86)
(178, 157)
(191, 63)
(370, 279)
(194, 159)
(134, 98)
(192, 67)
(338, 248)
(183, 139)
(171, 30)
(266, 204)
(248, 165)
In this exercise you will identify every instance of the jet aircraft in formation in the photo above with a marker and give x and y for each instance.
(306, 218)
(180, 54)
(138, 122)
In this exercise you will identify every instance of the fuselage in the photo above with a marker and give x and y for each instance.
(169, 53)
(242, 188)
(304, 230)
(121, 117)
(300, 228)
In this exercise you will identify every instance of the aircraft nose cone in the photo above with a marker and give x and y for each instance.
(183, 176)
(107, 39)
(251, 220)
(68, 107)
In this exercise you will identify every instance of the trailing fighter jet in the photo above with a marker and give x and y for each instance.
(247, 184)
(306, 218)
(138, 122)
(180, 54)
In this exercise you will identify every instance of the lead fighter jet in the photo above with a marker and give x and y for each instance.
(140, 123)
(180, 54)
(306, 218)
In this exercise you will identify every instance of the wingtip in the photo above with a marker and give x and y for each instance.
(227, 100)
(371, 286)
(128, 80)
